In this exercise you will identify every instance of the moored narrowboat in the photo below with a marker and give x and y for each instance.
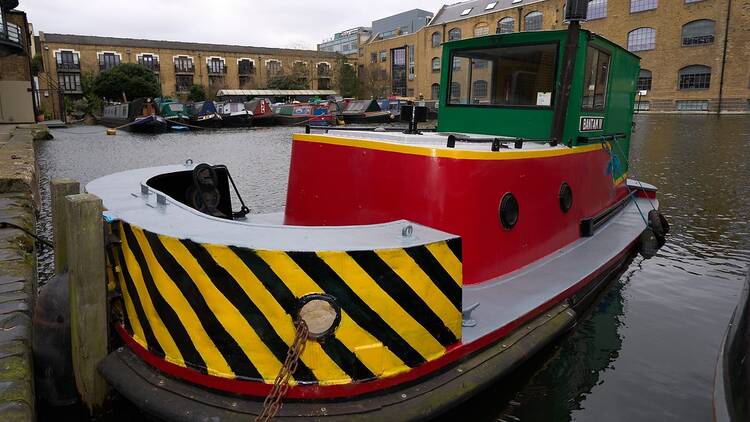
(174, 113)
(262, 111)
(140, 116)
(204, 114)
(234, 114)
(316, 114)
(364, 112)
(408, 271)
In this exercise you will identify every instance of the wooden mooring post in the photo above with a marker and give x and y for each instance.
(59, 189)
(88, 295)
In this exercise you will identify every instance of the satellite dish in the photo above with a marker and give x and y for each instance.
(8, 4)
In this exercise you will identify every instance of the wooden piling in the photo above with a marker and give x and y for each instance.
(88, 296)
(60, 188)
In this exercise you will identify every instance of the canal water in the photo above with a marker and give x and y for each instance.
(647, 349)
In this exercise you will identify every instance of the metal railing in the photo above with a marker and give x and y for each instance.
(184, 69)
(216, 70)
(69, 66)
(246, 70)
(152, 66)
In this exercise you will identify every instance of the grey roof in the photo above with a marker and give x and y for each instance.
(274, 92)
(179, 45)
(452, 12)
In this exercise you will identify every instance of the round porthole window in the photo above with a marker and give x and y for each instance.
(566, 197)
(320, 313)
(508, 211)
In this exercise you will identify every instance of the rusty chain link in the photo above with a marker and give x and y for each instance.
(273, 402)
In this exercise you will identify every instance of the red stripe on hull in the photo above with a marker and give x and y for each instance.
(453, 354)
(333, 185)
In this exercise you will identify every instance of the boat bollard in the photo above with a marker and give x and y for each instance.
(111, 131)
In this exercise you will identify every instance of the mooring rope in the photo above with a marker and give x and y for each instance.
(7, 225)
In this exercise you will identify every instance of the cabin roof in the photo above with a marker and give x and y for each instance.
(180, 45)
(452, 12)
(274, 92)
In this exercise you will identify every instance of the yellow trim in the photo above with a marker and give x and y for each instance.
(135, 323)
(621, 179)
(448, 260)
(435, 152)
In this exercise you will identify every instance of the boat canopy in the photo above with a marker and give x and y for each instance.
(361, 106)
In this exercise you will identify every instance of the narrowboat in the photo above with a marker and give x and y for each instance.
(174, 113)
(408, 271)
(234, 114)
(204, 114)
(322, 114)
(140, 116)
(262, 111)
(364, 112)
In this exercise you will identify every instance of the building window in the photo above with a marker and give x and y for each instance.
(456, 63)
(479, 89)
(533, 21)
(491, 6)
(695, 77)
(454, 34)
(698, 32)
(455, 92)
(183, 64)
(641, 5)
(644, 80)
(436, 64)
(692, 105)
(642, 106)
(149, 61)
(70, 82)
(506, 25)
(465, 12)
(437, 39)
(216, 66)
(597, 9)
(246, 67)
(412, 65)
(642, 39)
(435, 91)
(183, 82)
(273, 67)
(595, 80)
(481, 30)
(383, 56)
(324, 70)
(373, 57)
(108, 60)
(67, 60)
(692, 1)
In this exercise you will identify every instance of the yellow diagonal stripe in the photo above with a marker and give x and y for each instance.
(171, 352)
(405, 267)
(229, 317)
(349, 332)
(448, 260)
(132, 316)
(317, 360)
(215, 362)
(382, 304)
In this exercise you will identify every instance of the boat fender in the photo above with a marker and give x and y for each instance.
(649, 244)
(659, 225)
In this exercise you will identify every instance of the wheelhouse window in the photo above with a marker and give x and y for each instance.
(533, 21)
(108, 60)
(522, 76)
(642, 39)
(644, 80)
(597, 9)
(698, 32)
(436, 64)
(595, 80)
(437, 39)
(641, 5)
(435, 91)
(695, 77)
(506, 25)
(454, 34)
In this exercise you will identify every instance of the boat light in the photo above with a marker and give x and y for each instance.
(321, 314)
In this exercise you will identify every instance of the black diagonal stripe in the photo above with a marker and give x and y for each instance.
(338, 352)
(224, 342)
(113, 264)
(403, 294)
(455, 246)
(168, 316)
(422, 256)
(151, 342)
(360, 312)
(232, 290)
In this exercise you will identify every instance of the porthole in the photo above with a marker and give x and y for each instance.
(320, 313)
(566, 197)
(508, 212)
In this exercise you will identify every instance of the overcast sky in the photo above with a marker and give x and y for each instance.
(263, 23)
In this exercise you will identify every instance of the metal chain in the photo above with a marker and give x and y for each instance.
(273, 402)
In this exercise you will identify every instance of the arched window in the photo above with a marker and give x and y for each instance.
(435, 91)
(437, 39)
(436, 64)
(481, 30)
(698, 32)
(454, 34)
(533, 21)
(597, 9)
(695, 77)
(455, 92)
(273, 67)
(506, 25)
(644, 80)
(642, 39)
(479, 89)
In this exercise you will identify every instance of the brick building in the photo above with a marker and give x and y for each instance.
(16, 100)
(179, 65)
(695, 53)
